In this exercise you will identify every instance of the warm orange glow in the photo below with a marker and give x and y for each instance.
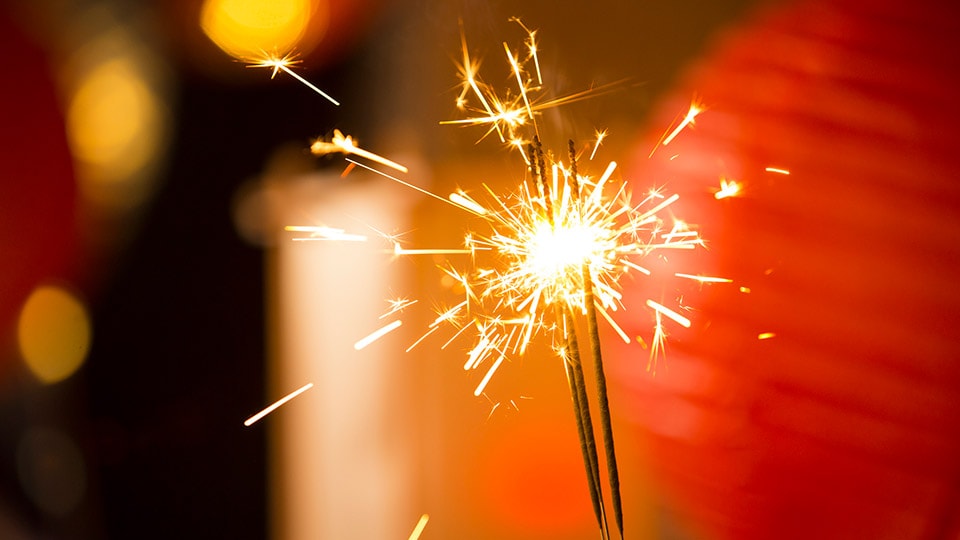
(54, 333)
(246, 28)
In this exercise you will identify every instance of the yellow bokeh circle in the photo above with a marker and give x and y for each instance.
(54, 333)
(247, 29)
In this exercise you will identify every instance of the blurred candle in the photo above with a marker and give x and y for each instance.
(341, 453)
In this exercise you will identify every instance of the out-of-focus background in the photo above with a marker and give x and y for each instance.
(150, 300)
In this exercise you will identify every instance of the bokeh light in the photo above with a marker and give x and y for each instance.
(54, 333)
(248, 28)
(115, 128)
(51, 470)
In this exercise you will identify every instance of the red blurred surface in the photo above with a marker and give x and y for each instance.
(845, 424)
(37, 187)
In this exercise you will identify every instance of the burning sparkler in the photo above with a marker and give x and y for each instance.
(553, 252)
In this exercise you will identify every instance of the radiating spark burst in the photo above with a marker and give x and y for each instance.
(345, 144)
(282, 63)
(250, 421)
(557, 247)
(728, 188)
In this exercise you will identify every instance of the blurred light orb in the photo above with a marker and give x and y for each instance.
(54, 333)
(247, 29)
(114, 126)
(51, 470)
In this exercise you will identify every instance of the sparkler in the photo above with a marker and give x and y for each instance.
(553, 252)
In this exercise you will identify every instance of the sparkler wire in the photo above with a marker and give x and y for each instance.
(572, 361)
(604, 405)
(606, 426)
(581, 406)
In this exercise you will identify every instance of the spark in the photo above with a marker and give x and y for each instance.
(601, 135)
(418, 530)
(250, 421)
(397, 250)
(777, 170)
(704, 279)
(321, 232)
(486, 378)
(283, 63)
(465, 201)
(688, 120)
(345, 144)
(401, 182)
(377, 334)
(508, 113)
(745, 290)
(729, 188)
(766, 335)
(669, 313)
(397, 305)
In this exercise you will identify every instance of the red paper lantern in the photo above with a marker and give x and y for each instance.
(843, 424)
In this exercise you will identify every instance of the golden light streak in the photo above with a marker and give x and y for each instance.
(283, 63)
(523, 87)
(704, 279)
(601, 134)
(745, 290)
(320, 232)
(397, 250)
(465, 201)
(377, 334)
(728, 188)
(766, 335)
(250, 421)
(401, 182)
(688, 120)
(418, 530)
(777, 170)
(669, 313)
(345, 144)
(486, 378)
(636, 267)
(613, 324)
(531, 46)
